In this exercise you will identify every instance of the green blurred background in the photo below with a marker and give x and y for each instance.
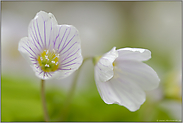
(102, 25)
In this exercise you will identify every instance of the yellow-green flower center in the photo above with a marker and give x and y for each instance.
(48, 60)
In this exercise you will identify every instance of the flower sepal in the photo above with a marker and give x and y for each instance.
(96, 59)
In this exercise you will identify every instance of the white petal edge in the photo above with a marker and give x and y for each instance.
(122, 92)
(137, 54)
(40, 29)
(53, 19)
(139, 73)
(104, 67)
(27, 50)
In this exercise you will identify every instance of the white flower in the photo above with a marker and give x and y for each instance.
(121, 77)
(52, 50)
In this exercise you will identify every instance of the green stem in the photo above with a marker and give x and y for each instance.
(46, 117)
(71, 93)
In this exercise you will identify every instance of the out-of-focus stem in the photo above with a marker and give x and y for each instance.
(46, 117)
(67, 102)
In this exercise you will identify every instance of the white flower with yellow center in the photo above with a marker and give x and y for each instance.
(52, 50)
(121, 77)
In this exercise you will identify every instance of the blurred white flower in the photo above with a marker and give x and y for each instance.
(121, 77)
(52, 50)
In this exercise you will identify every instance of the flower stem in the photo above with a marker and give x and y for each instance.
(46, 117)
(71, 93)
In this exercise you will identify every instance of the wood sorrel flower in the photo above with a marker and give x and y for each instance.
(52, 50)
(121, 77)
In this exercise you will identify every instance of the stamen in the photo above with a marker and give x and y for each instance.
(113, 64)
(48, 60)
(46, 65)
(47, 51)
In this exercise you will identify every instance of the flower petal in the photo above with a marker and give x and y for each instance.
(27, 50)
(121, 91)
(53, 19)
(67, 43)
(136, 54)
(139, 73)
(105, 65)
(40, 29)
(41, 74)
